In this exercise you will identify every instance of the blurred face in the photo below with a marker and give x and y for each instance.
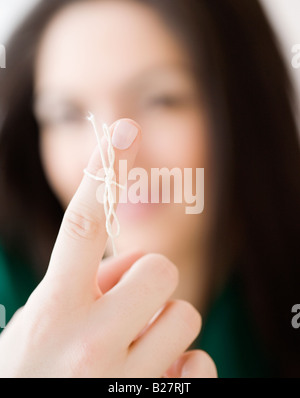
(118, 59)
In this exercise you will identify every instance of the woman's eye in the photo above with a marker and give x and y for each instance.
(67, 116)
(167, 101)
(63, 117)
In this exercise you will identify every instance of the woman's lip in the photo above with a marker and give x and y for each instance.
(136, 210)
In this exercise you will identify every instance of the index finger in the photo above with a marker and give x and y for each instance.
(82, 237)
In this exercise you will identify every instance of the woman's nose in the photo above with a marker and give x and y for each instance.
(109, 112)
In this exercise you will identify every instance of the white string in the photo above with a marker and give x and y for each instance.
(109, 180)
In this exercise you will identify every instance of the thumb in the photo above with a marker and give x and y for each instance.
(193, 364)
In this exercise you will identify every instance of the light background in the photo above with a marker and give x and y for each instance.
(284, 14)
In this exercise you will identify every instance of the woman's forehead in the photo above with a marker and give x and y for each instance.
(110, 38)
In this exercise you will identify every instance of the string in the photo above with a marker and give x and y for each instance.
(109, 181)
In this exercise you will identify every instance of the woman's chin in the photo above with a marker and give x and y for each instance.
(137, 212)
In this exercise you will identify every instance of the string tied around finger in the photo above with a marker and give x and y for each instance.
(108, 180)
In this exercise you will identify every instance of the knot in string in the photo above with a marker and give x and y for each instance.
(109, 181)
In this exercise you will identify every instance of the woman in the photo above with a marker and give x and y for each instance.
(205, 82)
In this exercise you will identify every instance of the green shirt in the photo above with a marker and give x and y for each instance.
(16, 282)
(227, 333)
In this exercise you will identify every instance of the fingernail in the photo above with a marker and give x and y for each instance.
(124, 134)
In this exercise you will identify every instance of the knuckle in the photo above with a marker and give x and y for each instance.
(46, 298)
(208, 364)
(81, 224)
(189, 316)
(85, 359)
(42, 317)
(39, 330)
(163, 266)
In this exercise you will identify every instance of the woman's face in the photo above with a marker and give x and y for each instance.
(118, 59)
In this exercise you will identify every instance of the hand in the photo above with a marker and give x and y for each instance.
(116, 320)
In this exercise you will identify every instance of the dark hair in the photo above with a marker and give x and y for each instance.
(249, 101)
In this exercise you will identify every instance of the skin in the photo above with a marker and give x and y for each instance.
(154, 87)
(71, 324)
